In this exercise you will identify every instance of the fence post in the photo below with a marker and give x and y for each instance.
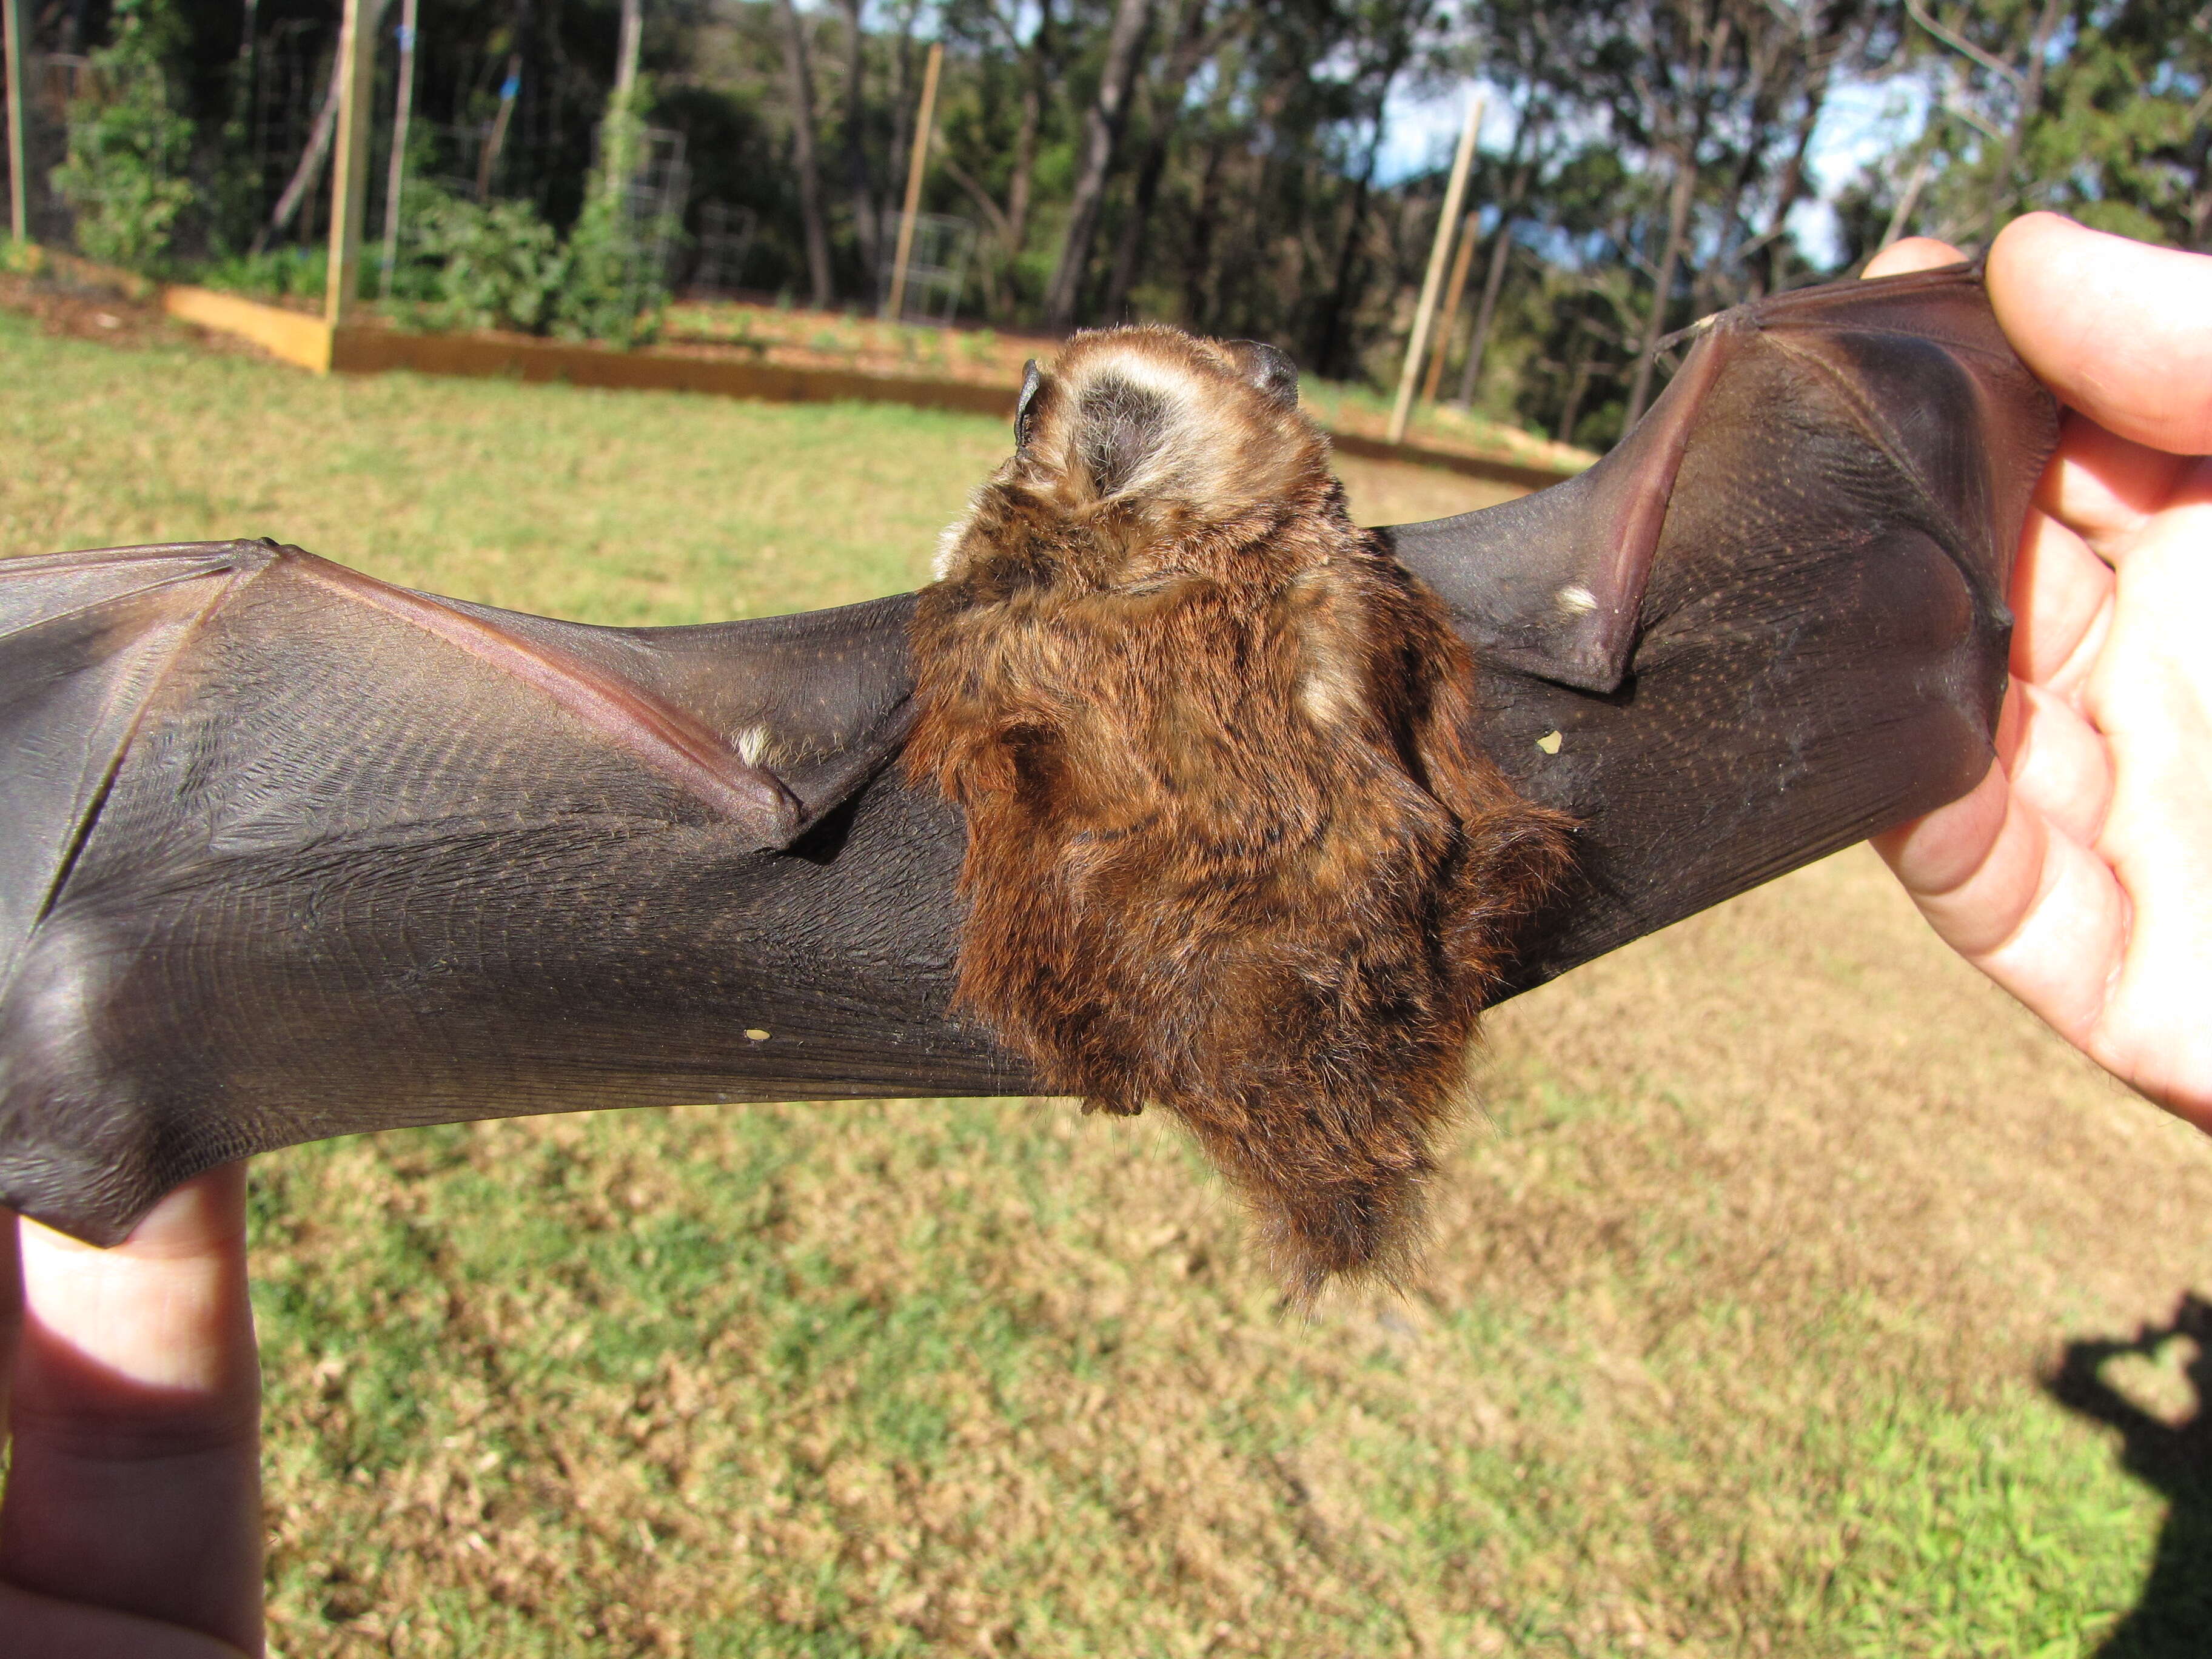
(896, 306)
(1448, 315)
(395, 178)
(1446, 223)
(350, 165)
(19, 207)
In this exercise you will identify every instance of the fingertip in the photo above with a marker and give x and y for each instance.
(2120, 329)
(1933, 855)
(1912, 253)
(167, 1308)
(206, 1213)
(204, 1217)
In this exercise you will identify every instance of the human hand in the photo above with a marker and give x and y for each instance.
(132, 1522)
(2079, 874)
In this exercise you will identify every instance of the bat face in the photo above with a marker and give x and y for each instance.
(555, 867)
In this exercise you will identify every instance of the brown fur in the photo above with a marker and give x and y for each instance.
(1229, 847)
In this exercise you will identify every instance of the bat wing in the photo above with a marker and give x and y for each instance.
(84, 643)
(286, 853)
(302, 854)
(1772, 621)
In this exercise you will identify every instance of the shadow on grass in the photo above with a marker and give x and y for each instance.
(2173, 1617)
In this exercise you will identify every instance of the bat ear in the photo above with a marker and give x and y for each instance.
(1031, 379)
(1270, 370)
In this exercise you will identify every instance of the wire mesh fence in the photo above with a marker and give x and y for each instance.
(722, 248)
(937, 265)
(653, 200)
(51, 82)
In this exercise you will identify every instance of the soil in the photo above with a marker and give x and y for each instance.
(74, 312)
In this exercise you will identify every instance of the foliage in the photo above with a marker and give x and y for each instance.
(280, 272)
(1260, 182)
(2098, 108)
(128, 144)
(494, 265)
(499, 265)
(609, 290)
(611, 284)
(2121, 135)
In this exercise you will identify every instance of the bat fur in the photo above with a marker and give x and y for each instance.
(1230, 847)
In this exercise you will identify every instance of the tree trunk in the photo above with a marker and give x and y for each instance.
(1329, 332)
(1163, 114)
(993, 215)
(1678, 225)
(1486, 308)
(867, 223)
(2031, 103)
(811, 219)
(1102, 127)
(1577, 383)
(1037, 74)
(1129, 250)
(1678, 222)
(316, 157)
(1494, 279)
(309, 172)
(1328, 335)
(1768, 277)
(1198, 266)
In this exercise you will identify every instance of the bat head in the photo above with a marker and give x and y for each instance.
(1137, 437)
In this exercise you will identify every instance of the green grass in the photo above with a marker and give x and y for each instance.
(1731, 1342)
(621, 508)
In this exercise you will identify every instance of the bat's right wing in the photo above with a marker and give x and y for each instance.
(83, 645)
(290, 854)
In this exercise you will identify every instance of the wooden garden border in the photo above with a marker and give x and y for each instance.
(311, 344)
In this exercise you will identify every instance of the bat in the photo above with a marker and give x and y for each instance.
(1229, 848)
(289, 852)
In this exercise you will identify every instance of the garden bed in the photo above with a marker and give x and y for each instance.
(763, 351)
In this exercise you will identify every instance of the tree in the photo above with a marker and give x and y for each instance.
(1102, 129)
(1195, 42)
(814, 224)
(1385, 39)
(2102, 108)
(128, 143)
(866, 221)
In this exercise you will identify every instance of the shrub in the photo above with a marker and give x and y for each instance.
(612, 290)
(129, 145)
(496, 264)
(500, 265)
(284, 272)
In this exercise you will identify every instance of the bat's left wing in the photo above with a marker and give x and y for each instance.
(1772, 621)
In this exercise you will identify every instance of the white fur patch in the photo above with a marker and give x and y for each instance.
(948, 539)
(1577, 601)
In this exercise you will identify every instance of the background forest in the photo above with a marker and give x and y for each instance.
(1267, 170)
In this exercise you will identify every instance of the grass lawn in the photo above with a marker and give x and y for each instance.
(1753, 1269)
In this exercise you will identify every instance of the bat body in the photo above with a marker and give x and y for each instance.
(288, 852)
(1230, 847)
